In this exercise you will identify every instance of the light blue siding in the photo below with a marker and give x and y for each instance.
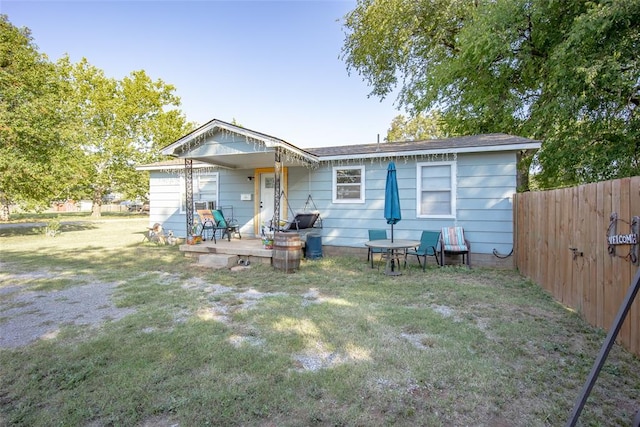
(223, 143)
(347, 224)
(486, 183)
(232, 185)
(485, 186)
(165, 192)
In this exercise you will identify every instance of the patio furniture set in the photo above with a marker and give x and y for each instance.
(213, 221)
(449, 241)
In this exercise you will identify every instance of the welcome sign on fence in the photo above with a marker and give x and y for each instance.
(623, 239)
(614, 238)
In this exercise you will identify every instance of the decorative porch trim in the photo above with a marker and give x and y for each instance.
(276, 196)
(188, 182)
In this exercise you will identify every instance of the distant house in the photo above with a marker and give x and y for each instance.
(466, 181)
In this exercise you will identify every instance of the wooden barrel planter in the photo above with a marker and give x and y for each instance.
(287, 251)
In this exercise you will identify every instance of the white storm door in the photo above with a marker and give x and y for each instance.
(267, 193)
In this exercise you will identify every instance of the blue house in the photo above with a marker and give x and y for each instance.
(466, 181)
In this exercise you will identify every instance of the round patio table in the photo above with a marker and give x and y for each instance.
(392, 248)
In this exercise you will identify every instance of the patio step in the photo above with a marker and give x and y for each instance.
(217, 261)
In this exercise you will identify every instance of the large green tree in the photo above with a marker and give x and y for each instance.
(119, 124)
(67, 130)
(563, 72)
(420, 127)
(593, 105)
(33, 153)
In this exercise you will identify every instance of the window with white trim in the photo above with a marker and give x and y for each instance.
(348, 184)
(182, 195)
(436, 190)
(205, 191)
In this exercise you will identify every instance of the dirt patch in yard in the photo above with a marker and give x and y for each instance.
(28, 315)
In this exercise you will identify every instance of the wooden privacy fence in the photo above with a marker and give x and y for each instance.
(562, 243)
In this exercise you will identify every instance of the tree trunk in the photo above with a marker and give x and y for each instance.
(4, 209)
(96, 207)
(4, 212)
(523, 162)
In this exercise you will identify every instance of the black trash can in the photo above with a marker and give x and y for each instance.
(313, 247)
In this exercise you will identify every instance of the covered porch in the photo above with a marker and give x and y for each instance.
(235, 149)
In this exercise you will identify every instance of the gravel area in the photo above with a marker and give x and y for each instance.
(27, 316)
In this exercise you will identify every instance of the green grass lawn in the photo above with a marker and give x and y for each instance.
(336, 343)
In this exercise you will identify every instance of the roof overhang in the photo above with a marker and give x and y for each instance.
(172, 165)
(261, 152)
(386, 154)
(456, 145)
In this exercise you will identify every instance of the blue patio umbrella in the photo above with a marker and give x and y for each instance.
(392, 198)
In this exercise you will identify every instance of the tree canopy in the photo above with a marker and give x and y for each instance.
(67, 130)
(416, 128)
(563, 72)
(32, 131)
(118, 124)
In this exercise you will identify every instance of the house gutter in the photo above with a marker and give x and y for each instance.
(460, 150)
(153, 167)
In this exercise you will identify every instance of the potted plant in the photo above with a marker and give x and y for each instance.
(194, 238)
(267, 240)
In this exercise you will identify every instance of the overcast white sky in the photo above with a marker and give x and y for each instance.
(274, 66)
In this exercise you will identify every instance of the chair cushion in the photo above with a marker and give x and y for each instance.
(453, 239)
(306, 220)
(301, 221)
(206, 218)
(219, 218)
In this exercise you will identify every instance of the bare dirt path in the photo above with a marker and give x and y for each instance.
(27, 316)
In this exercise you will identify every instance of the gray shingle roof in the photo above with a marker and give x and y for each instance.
(462, 143)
